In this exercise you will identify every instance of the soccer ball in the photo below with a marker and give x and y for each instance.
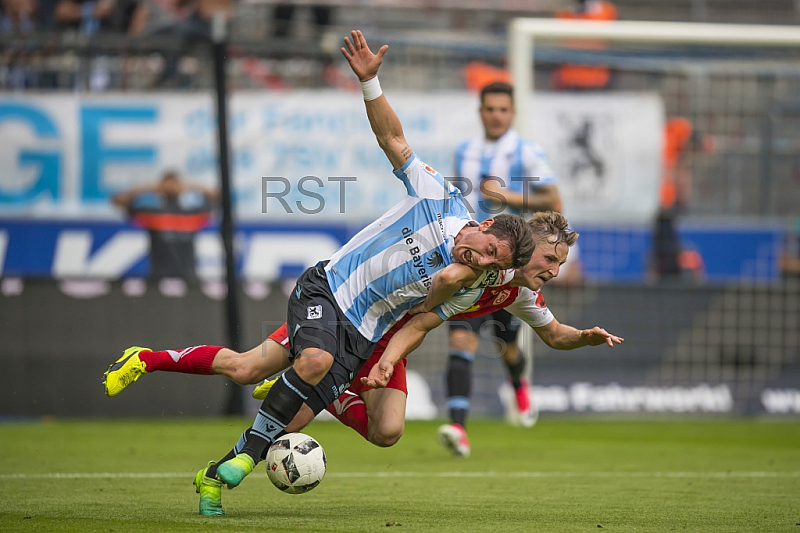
(296, 463)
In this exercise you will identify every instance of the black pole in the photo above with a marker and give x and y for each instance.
(767, 152)
(235, 405)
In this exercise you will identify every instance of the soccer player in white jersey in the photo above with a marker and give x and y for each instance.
(342, 307)
(501, 172)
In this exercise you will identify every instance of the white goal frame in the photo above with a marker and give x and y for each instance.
(523, 33)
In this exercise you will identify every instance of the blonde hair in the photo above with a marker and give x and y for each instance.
(552, 227)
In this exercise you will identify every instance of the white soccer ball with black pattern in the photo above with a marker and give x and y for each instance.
(296, 463)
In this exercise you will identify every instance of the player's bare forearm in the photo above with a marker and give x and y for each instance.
(565, 337)
(382, 118)
(447, 282)
(544, 198)
(405, 341)
(388, 131)
(491, 188)
(410, 336)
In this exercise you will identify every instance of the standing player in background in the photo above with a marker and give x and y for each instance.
(503, 171)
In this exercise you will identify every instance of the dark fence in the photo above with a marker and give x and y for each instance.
(731, 349)
(57, 346)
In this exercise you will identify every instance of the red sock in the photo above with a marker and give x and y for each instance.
(350, 410)
(193, 360)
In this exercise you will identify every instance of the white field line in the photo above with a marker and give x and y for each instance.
(172, 475)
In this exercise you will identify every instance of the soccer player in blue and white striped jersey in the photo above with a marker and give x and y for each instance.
(503, 172)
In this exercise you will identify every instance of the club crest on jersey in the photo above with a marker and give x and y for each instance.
(314, 312)
(429, 169)
(501, 297)
(435, 259)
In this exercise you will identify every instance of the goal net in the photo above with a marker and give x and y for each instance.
(737, 86)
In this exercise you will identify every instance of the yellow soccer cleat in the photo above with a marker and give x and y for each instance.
(125, 371)
(210, 491)
(260, 392)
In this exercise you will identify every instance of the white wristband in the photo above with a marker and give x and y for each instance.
(371, 89)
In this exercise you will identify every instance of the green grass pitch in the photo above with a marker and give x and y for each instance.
(565, 474)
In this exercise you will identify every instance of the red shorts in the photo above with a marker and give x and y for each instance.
(397, 381)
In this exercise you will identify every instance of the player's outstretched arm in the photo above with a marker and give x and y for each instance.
(564, 337)
(405, 341)
(382, 118)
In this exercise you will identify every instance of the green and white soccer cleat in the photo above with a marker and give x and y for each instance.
(260, 392)
(233, 471)
(124, 371)
(210, 491)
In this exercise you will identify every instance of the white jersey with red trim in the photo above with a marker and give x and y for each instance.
(492, 292)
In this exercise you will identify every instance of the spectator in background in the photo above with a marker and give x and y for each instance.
(670, 259)
(190, 21)
(172, 211)
(283, 14)
(790, 255)
(584, 77)
(92, 16)
(17, 18)
(284, 26)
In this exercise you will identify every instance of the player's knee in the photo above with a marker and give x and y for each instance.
(386, 435)
(313, 364)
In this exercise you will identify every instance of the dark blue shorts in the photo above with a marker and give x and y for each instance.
(498, 325)
(315, 322)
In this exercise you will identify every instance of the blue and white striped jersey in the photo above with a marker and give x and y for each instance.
(386, 268)
(509, 157)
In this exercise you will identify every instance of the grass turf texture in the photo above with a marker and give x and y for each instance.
(562, 475)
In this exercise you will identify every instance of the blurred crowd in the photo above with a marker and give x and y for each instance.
(89, 17)
(80, 44)
(142, 44)
(31, 61)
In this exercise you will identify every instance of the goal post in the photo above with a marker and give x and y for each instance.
(753, 117)
(524, 33)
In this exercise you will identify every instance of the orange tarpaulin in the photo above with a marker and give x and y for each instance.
(584, 76)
